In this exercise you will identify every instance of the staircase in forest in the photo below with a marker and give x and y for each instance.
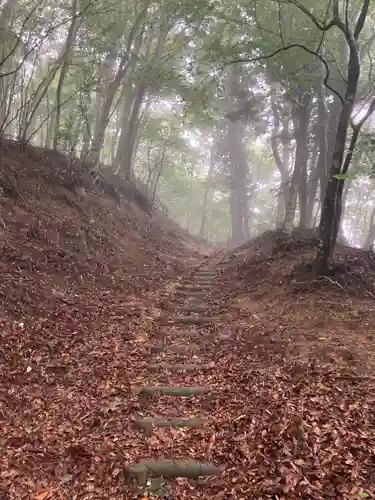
(176, 350)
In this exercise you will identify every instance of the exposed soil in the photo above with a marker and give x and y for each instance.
(88, 285)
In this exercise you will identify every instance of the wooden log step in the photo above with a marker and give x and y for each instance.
(194, 320)
(182, 391)
(175, 367)
(183, 349)
(148, 423)
(171, 468)
(189, 288)
(173, 332)
(157, 348)
(194, 308)
(174, 348)
(204, 279)
(197, 286)
(204, 288)
(191, 293)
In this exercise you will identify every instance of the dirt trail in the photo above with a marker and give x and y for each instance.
(265, 396)
(202, 394)
(174, 396)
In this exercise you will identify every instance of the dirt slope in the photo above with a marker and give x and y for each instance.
(73, 256)
(305, 356)
(62, 238)
(288, 368)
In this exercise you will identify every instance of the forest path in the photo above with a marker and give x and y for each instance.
(237, 399)
(176, 392)
(221, 385)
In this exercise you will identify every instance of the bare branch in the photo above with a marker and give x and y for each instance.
(361, 19)
(280, 23)
(321, 26)
(288, 47)
(34, 47)
(19, 38)
(365, 117)
(366, 45)
(347, 14)
(336, 10)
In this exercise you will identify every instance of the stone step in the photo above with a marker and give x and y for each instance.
(182, 391)
(148, 423)
(171, 468)
(194, 320)
(175, 367)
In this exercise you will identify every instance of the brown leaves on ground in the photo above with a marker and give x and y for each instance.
(292, 400)
(70, 271)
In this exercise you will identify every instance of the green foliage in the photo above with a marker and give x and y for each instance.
(347, 176)
(182, 56)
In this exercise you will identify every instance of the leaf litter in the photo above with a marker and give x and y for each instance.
(290, 371)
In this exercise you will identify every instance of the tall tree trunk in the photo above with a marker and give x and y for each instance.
(66, 58)
(312, 184)
(291, 205)
(321, 173)
(130, 123)
(331, 209)
(9, 43)
(127, 147)
(125, 119)
(207, 191)
(281, 160)
(238, 172)
(301, 117)
(43, 87)
(110, 84)
(333, 118)
(370, 239)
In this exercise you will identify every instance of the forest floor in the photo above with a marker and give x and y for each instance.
(287, 364)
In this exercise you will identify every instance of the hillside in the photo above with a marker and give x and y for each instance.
(62, 236)
(104, 307)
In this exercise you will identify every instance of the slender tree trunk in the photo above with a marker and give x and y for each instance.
(8, 41)
(312, 184)
(238, 172)
(128, 138)
(320, 173)
(128, 146)
(125, 119)
(282, 161)
(370, 239)
(111, 84)
(331, 208)
(67, 54)
(301, 118)
(291, 205)
(160, 169)
(207, 190)
(43, 88)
